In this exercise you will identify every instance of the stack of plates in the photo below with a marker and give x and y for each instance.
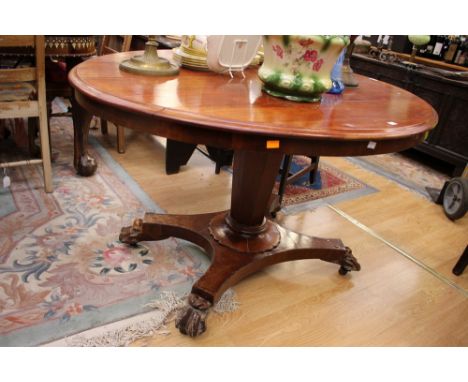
(192, 53)
(258, 59)
(174, 37)
(189, 61)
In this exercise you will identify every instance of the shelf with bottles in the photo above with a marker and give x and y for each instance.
(452, 49)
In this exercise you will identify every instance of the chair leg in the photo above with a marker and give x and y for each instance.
(120, 139)
(45, 151)
(177, 154)
(313, 173)
(221, 157)
(284, 177)
(32, 133)
(104, 130)
(217, 156)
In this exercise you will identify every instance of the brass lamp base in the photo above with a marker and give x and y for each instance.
(149, 63)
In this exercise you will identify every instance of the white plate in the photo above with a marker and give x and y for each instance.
(180, 53)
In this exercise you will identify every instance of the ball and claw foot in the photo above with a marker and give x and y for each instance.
(86, 166)
(348, 263)
(132, 235)
(191, 320)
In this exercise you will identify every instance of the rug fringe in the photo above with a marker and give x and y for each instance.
(165, 310)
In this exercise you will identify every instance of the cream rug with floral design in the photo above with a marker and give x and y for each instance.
(62, 269)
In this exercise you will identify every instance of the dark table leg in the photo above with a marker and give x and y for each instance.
(240, 241)
(84, 163)
(177, 154)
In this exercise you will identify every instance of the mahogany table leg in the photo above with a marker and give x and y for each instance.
(84, 163)
(240, 241)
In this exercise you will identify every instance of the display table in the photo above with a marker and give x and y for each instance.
(207, 108)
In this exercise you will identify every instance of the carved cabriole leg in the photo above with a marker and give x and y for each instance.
(85, 164)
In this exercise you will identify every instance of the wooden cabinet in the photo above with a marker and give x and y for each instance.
(448, 141)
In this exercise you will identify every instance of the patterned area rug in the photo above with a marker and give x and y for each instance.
(331, 185)
(406, 171)
(62, 270)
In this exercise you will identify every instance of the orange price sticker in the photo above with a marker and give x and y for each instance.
(272, 144)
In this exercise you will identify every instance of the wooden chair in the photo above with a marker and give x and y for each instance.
(23, 95)
(114, 44)
(288, 178)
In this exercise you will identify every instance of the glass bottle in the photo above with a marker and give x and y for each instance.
(337, 81)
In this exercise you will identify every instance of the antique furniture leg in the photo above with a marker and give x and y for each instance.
(277, 199)
(177, 154)
(284, 176)
(120, 132)
(313, 173)
(104, 128)
(120, 139)
(33, 128)
(221, 157)
(85, 164)
(461, 263)
(287, 178)
(240, 241)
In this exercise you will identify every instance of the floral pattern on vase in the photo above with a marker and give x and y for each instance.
(298, 68)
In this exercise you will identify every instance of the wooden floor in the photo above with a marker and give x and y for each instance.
(405, 294)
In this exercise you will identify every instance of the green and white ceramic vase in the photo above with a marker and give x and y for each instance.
(298, 68)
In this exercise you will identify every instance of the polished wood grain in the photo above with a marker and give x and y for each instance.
(374, 110)
(200, 107)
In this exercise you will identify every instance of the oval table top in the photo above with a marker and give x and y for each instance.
(372, 111)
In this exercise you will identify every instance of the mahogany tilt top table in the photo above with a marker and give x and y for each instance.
(208, 108)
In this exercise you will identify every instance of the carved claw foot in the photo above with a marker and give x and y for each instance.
(132, 235)
(191, 321)
(86, 166)
(349, 263)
